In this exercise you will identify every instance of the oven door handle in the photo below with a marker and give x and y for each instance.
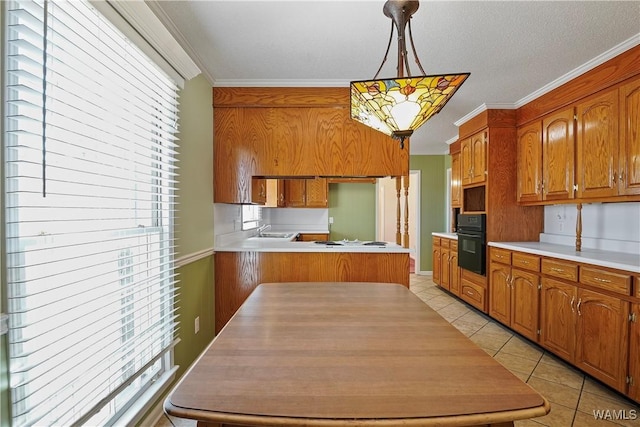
(472, 236)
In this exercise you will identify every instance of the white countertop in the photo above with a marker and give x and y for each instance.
(446, 235)
(617, 260)
(260, 244)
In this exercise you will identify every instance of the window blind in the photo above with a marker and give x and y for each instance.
(89, 176)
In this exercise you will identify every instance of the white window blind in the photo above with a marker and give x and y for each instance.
(89, 177)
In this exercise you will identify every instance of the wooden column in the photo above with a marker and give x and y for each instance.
(398, 211)
(579, 228)
(406, 211)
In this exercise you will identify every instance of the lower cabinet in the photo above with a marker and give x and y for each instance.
(634, 350)
(586, 328)
(436, 260)
(446, 272)
(473, 289)
(514, 292)
(308, 237)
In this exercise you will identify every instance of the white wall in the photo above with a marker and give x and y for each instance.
(607, 226)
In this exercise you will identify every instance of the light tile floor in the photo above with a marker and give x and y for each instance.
(573, 396)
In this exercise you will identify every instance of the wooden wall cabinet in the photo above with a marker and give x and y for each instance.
(629, 162)
(597, 148)
(306, 193)
(456, 181)
(546, 158)
(294, 132)
(473, 151)
(258, 191)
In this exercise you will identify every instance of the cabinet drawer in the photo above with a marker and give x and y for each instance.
(473, 294)
(454, 246)
(436, 241)
(501, 255)
(606, 280)
(561, 269)
(445, 243)
(526, 261)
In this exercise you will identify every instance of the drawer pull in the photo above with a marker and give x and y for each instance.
(469, 293)
(597, 279)
(524, 262)
(558, 270)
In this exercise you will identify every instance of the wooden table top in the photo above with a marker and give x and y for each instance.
(327, 354)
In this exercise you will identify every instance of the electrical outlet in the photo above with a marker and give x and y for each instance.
(330, 220)
(197, 325)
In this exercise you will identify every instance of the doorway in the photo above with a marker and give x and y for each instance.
(386, 213)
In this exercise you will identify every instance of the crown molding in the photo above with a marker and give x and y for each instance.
(451, 140)
(587, 66)
(482, 108)
(280, 83)
(180, 39)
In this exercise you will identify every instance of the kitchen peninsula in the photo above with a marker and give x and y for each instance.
(242, 264)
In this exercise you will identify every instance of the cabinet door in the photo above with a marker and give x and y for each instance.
(258, 191)
(294, 190)
(524, 303)
(634, 354)
(602, 337)
(597, 149)
(479, 153)
(629, 171)
(530, 163)
(500, 292)
(466, 160)
(232, 173)
(317, 193)
(437, 259)
(558, 145)
(454, 282)
(445, 270)
(557, 317)
(456, 183)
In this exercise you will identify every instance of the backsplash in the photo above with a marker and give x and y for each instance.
(607, 226)
(297, 219)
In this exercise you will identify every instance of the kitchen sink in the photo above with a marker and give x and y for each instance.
(275, 235)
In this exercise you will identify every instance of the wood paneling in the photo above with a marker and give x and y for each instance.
(238, 273)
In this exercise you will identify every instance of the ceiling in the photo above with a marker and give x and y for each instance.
(514, 50)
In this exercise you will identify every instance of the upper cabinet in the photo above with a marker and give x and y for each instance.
(306, 193)
(456, 181)
(629, 169)
(546, 158)
(474, 158)
(597, 149)
(293, 132)
(581, 141)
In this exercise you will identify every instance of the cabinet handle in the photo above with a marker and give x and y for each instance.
(578, 307)
(621, 176)
(558, 270)
(597, 279)
(571, 304)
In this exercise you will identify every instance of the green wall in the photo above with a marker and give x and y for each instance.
(353, 208)
(432, 201)
(194, 224)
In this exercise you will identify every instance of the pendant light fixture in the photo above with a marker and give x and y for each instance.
(398, 106)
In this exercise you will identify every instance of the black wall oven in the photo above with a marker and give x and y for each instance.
(472, 247)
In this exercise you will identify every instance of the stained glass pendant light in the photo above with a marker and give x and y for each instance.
(397, 106)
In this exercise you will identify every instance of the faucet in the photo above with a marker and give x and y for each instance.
(263, 228)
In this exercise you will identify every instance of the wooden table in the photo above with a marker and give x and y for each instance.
(347, 354)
